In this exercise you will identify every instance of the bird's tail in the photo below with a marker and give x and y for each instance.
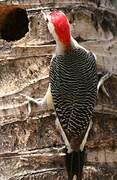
(74, 164)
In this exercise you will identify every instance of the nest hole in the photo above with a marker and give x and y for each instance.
(13, 22)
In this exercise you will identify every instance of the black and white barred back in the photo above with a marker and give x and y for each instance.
(73, 80)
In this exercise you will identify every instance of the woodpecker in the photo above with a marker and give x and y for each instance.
(72, 91)
(73, 85)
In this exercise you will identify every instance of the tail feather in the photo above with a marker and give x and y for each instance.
(74, 164)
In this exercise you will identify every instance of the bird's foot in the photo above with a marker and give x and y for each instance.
(101, 80)
(38, 101)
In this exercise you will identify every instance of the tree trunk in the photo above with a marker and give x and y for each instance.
(30, 146)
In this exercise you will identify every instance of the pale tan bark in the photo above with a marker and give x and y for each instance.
(29, 144)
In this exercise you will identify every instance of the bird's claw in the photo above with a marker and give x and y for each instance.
(30, 99)
(36, 101)
(101, 81)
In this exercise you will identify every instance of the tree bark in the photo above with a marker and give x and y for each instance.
(30, 146)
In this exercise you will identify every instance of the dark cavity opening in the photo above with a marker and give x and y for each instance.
(13, 22)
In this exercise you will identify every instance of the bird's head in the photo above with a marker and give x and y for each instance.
(59, 27)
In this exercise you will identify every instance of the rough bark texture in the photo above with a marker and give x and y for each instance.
(29, 144)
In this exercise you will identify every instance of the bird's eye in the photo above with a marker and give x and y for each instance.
(47, 20)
